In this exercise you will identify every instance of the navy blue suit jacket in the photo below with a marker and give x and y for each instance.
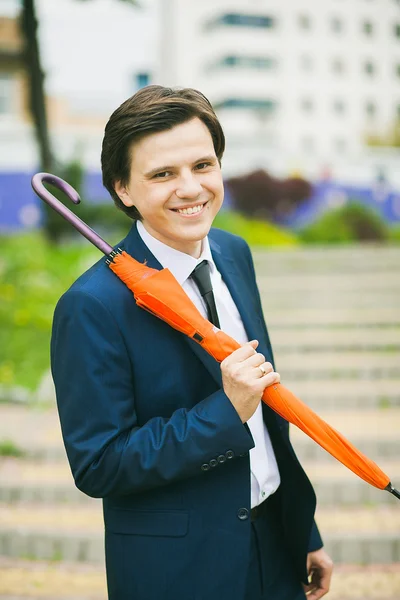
(148, 428)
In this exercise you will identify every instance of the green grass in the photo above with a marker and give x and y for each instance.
(33, 275)
(8, 448)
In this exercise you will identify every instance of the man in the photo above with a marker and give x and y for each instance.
(203, 496)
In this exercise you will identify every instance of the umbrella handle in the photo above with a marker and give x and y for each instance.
(72, 194)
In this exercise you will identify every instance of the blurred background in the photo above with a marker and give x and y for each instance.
(308, 94)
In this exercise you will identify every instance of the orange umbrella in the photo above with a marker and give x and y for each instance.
(159, 293)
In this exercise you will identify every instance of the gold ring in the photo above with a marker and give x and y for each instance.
(263, 371)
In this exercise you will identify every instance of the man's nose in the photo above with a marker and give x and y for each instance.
(188, 186)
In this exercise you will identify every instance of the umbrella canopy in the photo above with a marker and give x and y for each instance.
(159, 292)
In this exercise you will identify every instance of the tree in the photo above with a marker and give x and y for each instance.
(36, 94)
(258, 194)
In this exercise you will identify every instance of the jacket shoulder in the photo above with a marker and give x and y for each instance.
(101, 284)
(227, 239)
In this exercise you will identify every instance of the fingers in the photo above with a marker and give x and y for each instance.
(320, 567)
(269, 378)
(242, 353)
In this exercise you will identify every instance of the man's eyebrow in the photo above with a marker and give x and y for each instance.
(209, 158)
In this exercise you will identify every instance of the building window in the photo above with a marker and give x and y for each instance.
(6, 94)
(247, 103)
(368, 27)
(304, 22)
(141, 80)
(339, 107)
(369, 68)
(243, 20)
(248, 62)
(307, 105)
(396, 28)
(336, 25)
(370, 109)
(338, 66)
(306, 62)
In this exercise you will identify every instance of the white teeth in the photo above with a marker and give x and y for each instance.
(190, 210)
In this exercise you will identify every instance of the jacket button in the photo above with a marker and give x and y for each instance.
(243, 514)
(205, 467)
(221, 458)
(229, 454)
(213, 462)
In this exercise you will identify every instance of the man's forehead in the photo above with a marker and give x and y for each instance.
(186, 142)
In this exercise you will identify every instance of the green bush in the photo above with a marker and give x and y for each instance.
(394, 234)
(349, 223)
(255, 232)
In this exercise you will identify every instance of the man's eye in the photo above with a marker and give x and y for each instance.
(203, 165)
(162, 175)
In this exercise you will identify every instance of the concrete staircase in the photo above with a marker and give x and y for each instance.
(334, 321)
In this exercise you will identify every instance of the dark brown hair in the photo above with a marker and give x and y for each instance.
(152, 109)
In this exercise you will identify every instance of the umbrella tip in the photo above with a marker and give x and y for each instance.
(392, 490)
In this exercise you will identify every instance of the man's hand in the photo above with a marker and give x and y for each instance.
(319, 568)
(243, 381)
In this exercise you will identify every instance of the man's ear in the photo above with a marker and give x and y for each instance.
(123, 193)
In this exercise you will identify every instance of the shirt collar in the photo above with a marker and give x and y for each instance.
(180, 264)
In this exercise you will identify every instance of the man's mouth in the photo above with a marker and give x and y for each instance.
(191, 211)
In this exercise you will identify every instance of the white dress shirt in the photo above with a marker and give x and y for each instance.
(265, 478)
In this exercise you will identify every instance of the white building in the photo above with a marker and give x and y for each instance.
(298, 84)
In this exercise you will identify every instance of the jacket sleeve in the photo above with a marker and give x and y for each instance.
(315, 539)
(109, 453)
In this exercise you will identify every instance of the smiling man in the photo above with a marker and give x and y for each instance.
(203, 496)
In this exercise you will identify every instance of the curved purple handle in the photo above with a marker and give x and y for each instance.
(72, 194)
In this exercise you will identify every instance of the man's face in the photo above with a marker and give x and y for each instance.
(170, 171)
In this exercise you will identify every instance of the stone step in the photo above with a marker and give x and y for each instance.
(341, 491)
(374, 431)
(342, 337)
(76, 534)
(30, 482)
(342, 366)
(311, 340)
(329, 298)
(375, 449)
(325, 361)
(328, 318)
(324, 283)
(88, 519)
(324, 393)
(355, 259)
(383, 425)
(37, 580)
(350, 402)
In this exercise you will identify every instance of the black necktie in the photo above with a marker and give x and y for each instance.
(201, 276)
